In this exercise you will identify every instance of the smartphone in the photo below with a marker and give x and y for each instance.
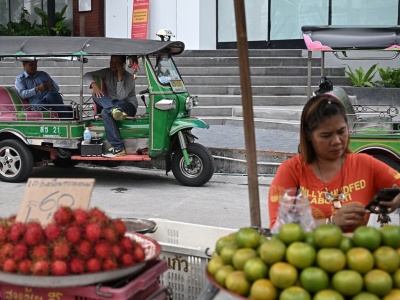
(383, 195)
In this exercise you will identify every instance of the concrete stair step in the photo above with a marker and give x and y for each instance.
(260, 80)
(253, 61)
(256, 90)
(264, 112)
(258, 71)
(257, 100)
(252, 53)
(258, 123)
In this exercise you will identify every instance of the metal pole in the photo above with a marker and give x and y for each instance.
(309, 68)
(248, 118)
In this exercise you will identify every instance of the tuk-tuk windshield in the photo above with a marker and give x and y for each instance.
(164, 68)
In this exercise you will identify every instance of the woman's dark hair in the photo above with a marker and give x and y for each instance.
(316, 110)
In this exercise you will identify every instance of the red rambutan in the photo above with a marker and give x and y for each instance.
(116, 250)
(138, 253)
(93, 265)
(41, 267)
(34, 234)
(84, 249)
(63, 216)
(127, 244)
(53, 231)
(4, 230)
(73, 234)
(61, 249)
(93, 231)
(98, 215)
(102, 250)
(77, 265)
(24, 266)
(81, 216)
(6, 250)
(127, 259)
(119, 227)
(17, 231)
(40, 252)
(9, 265)
(59, 267)
(110, 235)
(109, 264)
(20, 252)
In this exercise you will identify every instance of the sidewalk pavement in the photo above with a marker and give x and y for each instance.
(228, 136)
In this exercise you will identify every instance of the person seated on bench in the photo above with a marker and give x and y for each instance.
(40, 89)
(118, 101)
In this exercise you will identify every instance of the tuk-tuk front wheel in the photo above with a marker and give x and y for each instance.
(16, 161)
(201, 167)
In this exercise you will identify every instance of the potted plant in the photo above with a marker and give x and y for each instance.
(380, 92)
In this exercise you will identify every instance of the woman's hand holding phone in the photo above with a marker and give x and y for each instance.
(385, 201)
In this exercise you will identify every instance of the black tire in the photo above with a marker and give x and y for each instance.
(64, 162)
(16, 161)
(200, 170)
(390, 162)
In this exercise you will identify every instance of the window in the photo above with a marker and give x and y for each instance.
(10, 10)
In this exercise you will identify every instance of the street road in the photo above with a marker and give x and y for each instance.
(130, 192)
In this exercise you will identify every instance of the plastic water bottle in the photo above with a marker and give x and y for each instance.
(87, 136)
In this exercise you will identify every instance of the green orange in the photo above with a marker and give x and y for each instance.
(314, 279)
(328, 236)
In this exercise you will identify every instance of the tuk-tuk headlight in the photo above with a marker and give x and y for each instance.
(191, 102)
(165, 104)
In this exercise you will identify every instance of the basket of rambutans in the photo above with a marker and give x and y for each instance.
(78, 247)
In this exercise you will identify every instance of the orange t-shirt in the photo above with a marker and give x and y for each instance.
(361, 177)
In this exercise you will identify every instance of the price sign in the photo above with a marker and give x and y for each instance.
(43, 196)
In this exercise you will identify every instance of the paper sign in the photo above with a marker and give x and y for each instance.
(43, 196)
(140, 19)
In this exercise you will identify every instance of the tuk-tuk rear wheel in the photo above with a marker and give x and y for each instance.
(201, 167)
(16, 161)
(387, 160)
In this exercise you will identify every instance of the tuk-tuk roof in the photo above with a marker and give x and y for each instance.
(19, 46)
(331, 38)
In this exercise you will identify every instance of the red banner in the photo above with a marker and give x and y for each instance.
(140, 19)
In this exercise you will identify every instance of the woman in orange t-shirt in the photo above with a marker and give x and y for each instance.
(337, 182)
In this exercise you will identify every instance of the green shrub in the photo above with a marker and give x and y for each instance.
(24, 27)
(359, 78)
(390, 77)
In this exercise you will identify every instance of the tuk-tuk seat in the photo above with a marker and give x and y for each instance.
(358, 124)
(14, 108)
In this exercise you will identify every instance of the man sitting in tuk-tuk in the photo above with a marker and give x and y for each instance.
(40, 89)
(117, 102)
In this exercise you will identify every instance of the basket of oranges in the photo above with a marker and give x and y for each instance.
(299, 265)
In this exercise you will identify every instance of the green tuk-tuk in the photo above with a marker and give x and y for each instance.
(374, 124)
(31, 138)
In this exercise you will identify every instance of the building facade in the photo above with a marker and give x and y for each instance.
(210, 24)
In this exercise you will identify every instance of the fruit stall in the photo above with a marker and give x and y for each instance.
(56, 247)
